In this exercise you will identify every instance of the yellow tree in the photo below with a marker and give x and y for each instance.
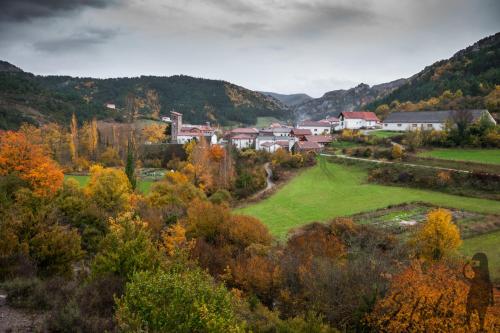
(438, 236)
(154, 133)
(109, 188)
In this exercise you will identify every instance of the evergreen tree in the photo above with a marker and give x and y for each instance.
(130, 166)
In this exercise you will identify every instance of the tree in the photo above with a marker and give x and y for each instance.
(109, 188)
(73, 142)
(461, 119)
(438, 236)
(126, 249)
(176, 301)
(397, 152)
(130, 166)
(110, 157)
(30, 163)
(423, 298)
(154, 133)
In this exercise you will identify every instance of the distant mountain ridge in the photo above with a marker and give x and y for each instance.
(474, 70)
(334, 102)
(25, 97)
(289, 99)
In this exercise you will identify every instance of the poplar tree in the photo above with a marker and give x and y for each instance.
(130, 165)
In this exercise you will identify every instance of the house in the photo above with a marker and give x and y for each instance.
(110, 105)
(183, 133)
(242, 141)
(334, 123)
(276, 131)
(165, 119)
(300, 133)
(429, 120)
(273, 143)
(316, 127)
(306, 146)
(322, 140)
(244, 130)
(358, 119)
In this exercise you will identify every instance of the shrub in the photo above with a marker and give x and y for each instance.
(176, 301)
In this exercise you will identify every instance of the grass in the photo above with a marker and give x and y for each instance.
(143, 185)
(488, 243)
(265, 121)
(343, 144)
(384, 134)
(488, 156)
(330, 190)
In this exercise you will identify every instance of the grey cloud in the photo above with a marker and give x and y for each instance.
(25, 10)
(76, 41)
(235, 6)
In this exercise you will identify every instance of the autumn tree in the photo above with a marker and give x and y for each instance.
(438, 236)
(154, 133)
(153, 101)
(109, 188)
(73, 141)
(423, 298)
(126, 249)
(176, 300)
(30, 163)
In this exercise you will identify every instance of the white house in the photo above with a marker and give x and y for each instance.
(334, 123)
(110, 106)
(358, 119)
(182, 133)
(316, 127)
(429, 120)
(166, 119)
(241, 141)
(273, 143)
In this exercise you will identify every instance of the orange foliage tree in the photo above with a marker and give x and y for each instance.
(424, 298)
(30, 163)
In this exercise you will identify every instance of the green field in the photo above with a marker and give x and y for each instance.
(488, 156)
(143, 185)
(489, 244)
(265, 121)
(384, 134)
(330, 190)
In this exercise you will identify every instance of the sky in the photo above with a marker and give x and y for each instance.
(285, 46)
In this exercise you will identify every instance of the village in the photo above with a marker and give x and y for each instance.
(314, 135)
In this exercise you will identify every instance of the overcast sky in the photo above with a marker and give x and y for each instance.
(285, 46)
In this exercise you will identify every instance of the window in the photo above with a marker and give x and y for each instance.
(414, 125)
(429, 125)
(385, 125)
(399, 125)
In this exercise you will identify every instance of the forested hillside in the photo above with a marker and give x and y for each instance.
(474, 71)
(25, 97)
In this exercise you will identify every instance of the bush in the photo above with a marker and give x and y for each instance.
(176, 301)
(28, 293)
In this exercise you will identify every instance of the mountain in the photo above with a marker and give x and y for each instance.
(334, 102)
(25, 97)
(289, 100)
(474, 70)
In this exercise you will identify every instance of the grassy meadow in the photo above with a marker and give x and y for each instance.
(143, 185)
(488, 243)
(488, 156)
(265, 121)
(384, 134)
(330, 190)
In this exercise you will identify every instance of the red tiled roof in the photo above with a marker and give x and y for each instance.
(242, 137)
(319, 138)
(282, 143)
(301, 131)
(308, 145)
(360, 115)
(312, 123)
(245, 130)
(268, 143)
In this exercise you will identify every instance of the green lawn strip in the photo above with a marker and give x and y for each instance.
(143, 185)
(488, 243)
(384, 134)
(330, 190)
(488, 156)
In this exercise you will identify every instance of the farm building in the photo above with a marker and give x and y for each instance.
(316, 127)
(273, 143)
(430, 120)
(242, 141)
(305, 146)
(322, 140)
(358, 119)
